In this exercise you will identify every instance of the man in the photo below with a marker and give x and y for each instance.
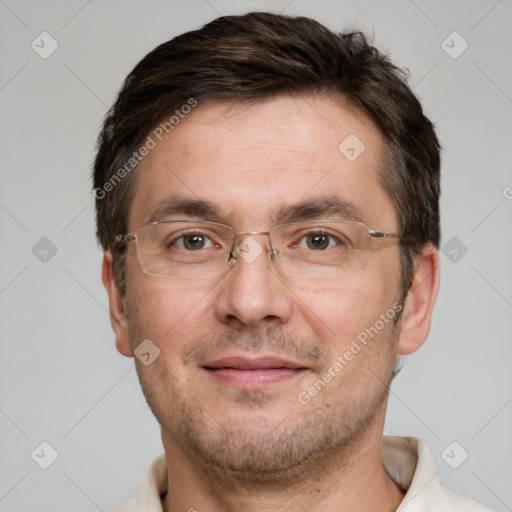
(267, 200)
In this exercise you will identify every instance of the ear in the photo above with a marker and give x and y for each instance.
(419, 303)
(118, 317)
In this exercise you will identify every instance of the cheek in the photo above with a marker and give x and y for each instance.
(335, 310)
(161, 310)
(339, 311)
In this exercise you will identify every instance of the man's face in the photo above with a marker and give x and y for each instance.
(213, 332)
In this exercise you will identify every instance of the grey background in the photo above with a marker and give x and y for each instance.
(61, 379)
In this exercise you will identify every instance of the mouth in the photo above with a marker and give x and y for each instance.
(253, 373)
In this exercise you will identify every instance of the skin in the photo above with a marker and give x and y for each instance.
(252, 449)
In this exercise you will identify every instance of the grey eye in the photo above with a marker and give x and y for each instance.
(192, 242)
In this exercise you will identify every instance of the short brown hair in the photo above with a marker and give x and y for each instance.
(259, 55)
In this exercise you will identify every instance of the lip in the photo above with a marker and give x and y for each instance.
(253, 372)
(249, 363)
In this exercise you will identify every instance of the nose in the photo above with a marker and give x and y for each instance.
(253, 294)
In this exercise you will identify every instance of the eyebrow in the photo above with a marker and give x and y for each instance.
(332, 207)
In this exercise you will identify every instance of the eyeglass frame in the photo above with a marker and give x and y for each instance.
(231, 256)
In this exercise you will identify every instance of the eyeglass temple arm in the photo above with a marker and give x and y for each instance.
(122, 239)
(380, 234)
(120, 242)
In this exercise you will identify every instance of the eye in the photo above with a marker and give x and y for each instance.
(318, 241)
(191, 242)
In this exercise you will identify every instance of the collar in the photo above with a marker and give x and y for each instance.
(408, 461)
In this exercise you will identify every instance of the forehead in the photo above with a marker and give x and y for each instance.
(251, 163)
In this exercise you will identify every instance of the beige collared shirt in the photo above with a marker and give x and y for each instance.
(408, 460)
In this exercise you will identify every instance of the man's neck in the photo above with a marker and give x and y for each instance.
(349, 479)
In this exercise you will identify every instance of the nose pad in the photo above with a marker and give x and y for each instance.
(249, 249)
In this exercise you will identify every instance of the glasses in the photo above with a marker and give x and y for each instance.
(192, 249)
